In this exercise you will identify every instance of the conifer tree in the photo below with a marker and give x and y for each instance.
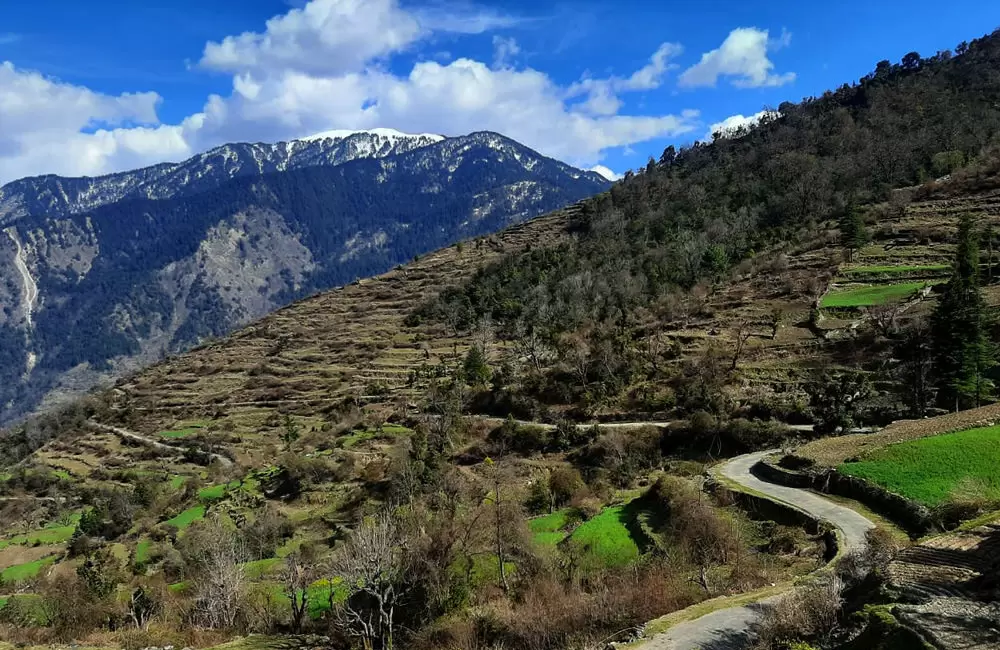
(964, 353)
(853, 233)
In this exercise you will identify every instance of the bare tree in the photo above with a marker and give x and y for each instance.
(776, 319)
(529, 344)
(298, 574)
(743, 333)
(142, 607)
(499, 523)
(218, 556)
(576, 354)
(883, 317)
(371, 563)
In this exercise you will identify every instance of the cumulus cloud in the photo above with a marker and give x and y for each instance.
(734, 124)
(323, 37)
(743, 57)
(45, 123)
(321, 66)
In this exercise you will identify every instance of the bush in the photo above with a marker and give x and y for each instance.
(805, 613)
(564, 484)
(539, 498)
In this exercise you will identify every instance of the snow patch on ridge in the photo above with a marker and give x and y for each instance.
(389, 134)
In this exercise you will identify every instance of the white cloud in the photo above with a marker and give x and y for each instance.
(733, 124)
(504, 50)
(48, 126)
(323, 37)
(605, 172)
(743, 57)
(602, 94)
(319, 67)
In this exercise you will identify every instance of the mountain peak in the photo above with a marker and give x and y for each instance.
(389, 134)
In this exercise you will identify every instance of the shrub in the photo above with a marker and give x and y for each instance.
(539, 497)
(805, 613)
(564, 484)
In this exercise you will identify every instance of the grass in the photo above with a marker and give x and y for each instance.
(43, 537)
(184, 430)
(895, 269)
(318, 594)
(388, 430)
(216, 492)
(873, 295)
(29, 605)
(547, 530)
(928, 470)
(259, 568)
(608, 538)
(186, 518)
(27, 571)
(142, 550)
(177, 482)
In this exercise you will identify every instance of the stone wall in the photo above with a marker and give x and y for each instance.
(762, 507)
(911, 516)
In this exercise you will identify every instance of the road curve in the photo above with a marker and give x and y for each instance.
(728, 628)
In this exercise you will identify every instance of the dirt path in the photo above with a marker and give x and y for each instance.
(138, 437)
(729, 628)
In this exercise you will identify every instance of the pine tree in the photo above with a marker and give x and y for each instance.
(964, 354)
(853, 233)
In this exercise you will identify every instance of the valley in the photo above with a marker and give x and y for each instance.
(745, 397)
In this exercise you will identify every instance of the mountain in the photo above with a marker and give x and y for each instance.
(590, 366)
(101, 275)
(56, 196)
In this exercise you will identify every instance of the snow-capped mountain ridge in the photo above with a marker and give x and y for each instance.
(390, 134)
(60, 196)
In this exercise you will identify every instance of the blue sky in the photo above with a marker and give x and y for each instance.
(88, 88)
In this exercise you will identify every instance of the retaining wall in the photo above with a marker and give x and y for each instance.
(911, 516)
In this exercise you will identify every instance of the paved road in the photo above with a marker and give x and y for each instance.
(727, 629)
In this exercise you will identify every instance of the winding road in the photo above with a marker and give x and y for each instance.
(728, 629)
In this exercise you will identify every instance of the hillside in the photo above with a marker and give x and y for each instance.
(507, 442)
(108, 283)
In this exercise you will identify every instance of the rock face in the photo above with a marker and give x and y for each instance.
(101, 275)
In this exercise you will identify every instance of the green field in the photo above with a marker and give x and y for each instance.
(872, 295)
(29, 605)
(43, 537)
(548, 529)
(184, 430)
(186, 518)
(142, 551)
(318, 593)
(929, 469)
(257, 569)
(26, 571)
(356, 437)
(608, 538)
(216, 492)
(857, 270)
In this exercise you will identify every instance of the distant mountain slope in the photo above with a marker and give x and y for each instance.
(88, 291)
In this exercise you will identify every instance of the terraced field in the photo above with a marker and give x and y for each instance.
(951, 578)
(929, 470)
